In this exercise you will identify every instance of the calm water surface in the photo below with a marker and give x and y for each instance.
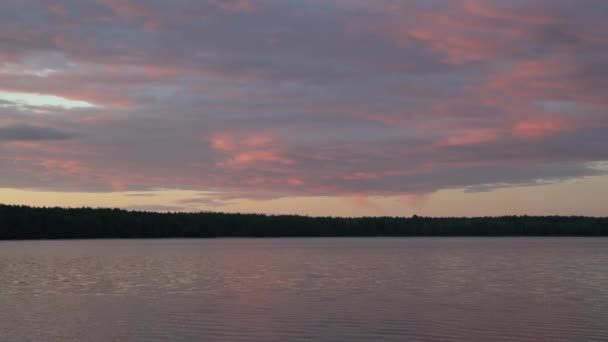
(420, 289)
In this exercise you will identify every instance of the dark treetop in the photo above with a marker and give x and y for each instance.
(21, 222)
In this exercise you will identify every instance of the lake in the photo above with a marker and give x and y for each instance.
(338, 289)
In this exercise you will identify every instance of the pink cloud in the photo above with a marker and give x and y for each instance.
(537, 127)
(295, 182)
(249, 157)
(118, 185)
(66, 167)
(471, 137)
(369, 176)
(248, 149)
(223, 142)
(552, 78)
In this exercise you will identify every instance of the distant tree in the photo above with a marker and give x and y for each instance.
(21, 222)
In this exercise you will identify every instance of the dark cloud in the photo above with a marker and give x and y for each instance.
(143, 194)
(32, 133)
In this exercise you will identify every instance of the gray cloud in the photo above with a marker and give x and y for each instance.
(32, 133)
(156, 208)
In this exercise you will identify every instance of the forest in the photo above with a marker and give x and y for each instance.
(24, 223)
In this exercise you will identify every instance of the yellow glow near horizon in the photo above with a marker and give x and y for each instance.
(565, 198)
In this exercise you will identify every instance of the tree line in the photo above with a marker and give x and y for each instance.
(22, 222)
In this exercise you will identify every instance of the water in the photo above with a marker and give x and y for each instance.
(377, 289)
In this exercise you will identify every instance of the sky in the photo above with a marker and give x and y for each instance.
(316, 107)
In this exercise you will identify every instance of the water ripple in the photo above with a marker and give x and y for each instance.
(305, 290)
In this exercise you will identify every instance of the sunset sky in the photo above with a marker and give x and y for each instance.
(320, 107)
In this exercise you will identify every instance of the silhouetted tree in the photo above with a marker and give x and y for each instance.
(22, 222)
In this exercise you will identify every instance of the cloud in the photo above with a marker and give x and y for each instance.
(207, 201)
(471, 137)
(156, 208)
(345, 98)
(142, 194)
(32, 133)
(540, 127)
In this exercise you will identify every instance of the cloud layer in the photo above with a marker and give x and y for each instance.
(264, 99)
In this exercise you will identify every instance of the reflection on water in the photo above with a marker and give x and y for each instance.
(420, 289)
